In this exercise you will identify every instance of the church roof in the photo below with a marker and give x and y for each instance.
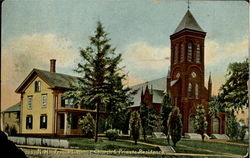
(158, 86)
(188, 22)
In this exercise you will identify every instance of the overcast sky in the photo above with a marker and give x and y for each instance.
(35, 31)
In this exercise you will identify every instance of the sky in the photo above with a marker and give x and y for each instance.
(34, 31)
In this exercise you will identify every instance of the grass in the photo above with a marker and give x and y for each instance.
(199, 147)
(105, 144)
(183, 146)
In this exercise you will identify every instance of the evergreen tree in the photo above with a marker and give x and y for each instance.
(175, 125)
(149, 119)
(166, 110)
(119, 99)
(135, 125)
(100, 80)
(200, 122)
(144, 113)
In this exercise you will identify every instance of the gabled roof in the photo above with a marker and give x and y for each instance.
(54, 80)
(188, 22)
(13, 108)
(158, 85)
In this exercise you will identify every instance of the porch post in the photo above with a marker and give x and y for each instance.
(65, 123)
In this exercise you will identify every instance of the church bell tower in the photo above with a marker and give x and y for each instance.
(186, 81)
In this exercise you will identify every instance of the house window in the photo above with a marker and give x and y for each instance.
(18, 115)
(189, 90)
(43, 122)
(29, 102)
(37, 86)
(198, 53)
(44, 100)
(196, 91)
(29, 122)
(66, 101)
(61, 121)
(74, 122)
(190, 48)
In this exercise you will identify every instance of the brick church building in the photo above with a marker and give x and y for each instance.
(186, 80)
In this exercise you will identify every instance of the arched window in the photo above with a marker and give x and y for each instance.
(196, 91)
(190, 48)
(189, 90)
(175, 53)
(181, 52)
(198, 53)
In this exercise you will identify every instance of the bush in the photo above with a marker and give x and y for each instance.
(13, 131)
(112, 134)
(175, 125)
(87, 124)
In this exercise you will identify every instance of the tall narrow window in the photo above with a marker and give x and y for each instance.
(29, 122)
(175, 54)
(189, 90)
(198, 53)
(196, 91)
(43, 122)
(181, 50)
(190, 48)
(44, 100)
(29, 102)
(61, 121)
(37, 86)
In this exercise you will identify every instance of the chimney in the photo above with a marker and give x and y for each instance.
(52, 65)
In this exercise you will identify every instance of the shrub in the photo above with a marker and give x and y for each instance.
(112, 134)
(200, 123)
(175, 125)
(13, 131)
(232, 127)
(87, 124)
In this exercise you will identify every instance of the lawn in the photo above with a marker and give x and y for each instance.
(105, 144)
(183, 146)
(199, 147)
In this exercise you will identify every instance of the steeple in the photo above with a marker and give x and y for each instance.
(188, 22)
(209, 87)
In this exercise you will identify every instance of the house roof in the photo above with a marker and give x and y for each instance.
(13, 108)
(188, 22)
(55, 80)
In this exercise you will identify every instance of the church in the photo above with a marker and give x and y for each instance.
(185, 81)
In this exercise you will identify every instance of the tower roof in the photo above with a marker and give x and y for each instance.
(188, 22)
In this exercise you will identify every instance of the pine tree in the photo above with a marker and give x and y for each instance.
(175, 125)
(149, 119)
(166, 110)
(200, 123)
(101, 80)
(135, 125)
(144, 113)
